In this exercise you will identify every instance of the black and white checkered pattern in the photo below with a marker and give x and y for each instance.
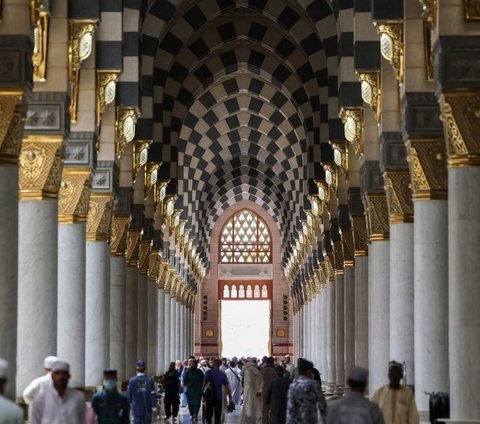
(239, 94)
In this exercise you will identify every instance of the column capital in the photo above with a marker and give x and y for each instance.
(118, 238)
(133, 243)
(41, 166)
(360, 235)
(376, 209)
(399, 195)
(144, 256)
(99, 214)
(74, 195)
(12, 107)
(153, 264)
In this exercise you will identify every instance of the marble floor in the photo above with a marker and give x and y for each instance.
(184, 416)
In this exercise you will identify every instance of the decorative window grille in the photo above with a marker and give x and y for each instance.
(245, 239)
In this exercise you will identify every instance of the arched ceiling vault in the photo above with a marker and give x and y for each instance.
(239, 92)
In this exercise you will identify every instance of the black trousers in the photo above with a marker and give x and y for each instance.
(172, 405)
(214, 409)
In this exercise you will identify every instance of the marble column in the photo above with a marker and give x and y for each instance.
(167, 340)
(349, 314)
(464, 290)
(96, 340)
(37, 288)
(401, 296)
(430, 299)
(317, 347)
(331, 288)
(161, 359)
(181, 333)
(323, 334)
(378, 312)
(117, 315)
(178, 330)
(361, 311)
(339, 329)
(131, 317)
(71, 299)
(173, 330)
(152, 329)
(142, 317)
(8, 265)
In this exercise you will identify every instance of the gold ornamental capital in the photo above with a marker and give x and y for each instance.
(12, 111)
(360, 235)
(377, 217)
(144, 250)
(118, 237)
(460, 114)
(99, 216)
(153, 264)
(151, 177)
(371, 89)
(428, 168)
(399, 195)
(162, 273)
(39, 19)
(74, 195)
(348, 248)
(106, 83)
(391, 45)
(41, 166)
(133, 243)
(139, 156)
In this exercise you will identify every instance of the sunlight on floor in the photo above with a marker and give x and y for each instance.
(245, 328)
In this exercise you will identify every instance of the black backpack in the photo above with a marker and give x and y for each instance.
(209, 391)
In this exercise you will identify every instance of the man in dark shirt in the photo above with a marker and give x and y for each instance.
(277, 396)
(171, 381)
(110, 406)
(214, 406)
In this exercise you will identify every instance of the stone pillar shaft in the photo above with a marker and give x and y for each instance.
(142, 317)
(361, 311)
(161, 359)
(131, 320)
(152, 332)
(339, 330)
(331, 332)
(349, 314)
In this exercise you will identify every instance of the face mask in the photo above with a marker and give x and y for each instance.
(110, 385)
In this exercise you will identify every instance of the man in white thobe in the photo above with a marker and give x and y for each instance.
(9, 412)
(252, 393)
(40, 384)
(234, 380)
(59, 404)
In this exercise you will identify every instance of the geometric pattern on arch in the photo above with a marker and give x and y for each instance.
(245, 238)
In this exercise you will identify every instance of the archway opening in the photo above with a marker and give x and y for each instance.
(245, 328)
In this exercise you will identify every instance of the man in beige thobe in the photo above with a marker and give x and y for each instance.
(252, 393)
(396, 402)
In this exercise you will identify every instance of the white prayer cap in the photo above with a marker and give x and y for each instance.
(48, 362)
(60, 366)
(203, 362)
(3, 368)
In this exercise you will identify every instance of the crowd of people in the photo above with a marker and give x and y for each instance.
(267, 390)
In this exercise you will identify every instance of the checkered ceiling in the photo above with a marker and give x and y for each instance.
(239, 93)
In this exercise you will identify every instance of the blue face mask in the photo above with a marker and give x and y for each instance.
(110, 385)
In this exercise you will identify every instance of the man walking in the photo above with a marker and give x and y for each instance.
(252, 393)
(233, 376)
(354, 408)
(396, 402)
(40, 384)
(141, 395)
(304, 394)
(268, 375)
(9, 412)
(59, 404)
(277, 396)
(110, 406)
(219, 380)
(171, 382)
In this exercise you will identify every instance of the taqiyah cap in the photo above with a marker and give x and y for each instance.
(59, 365)
(48, 362)
(140, 364)
(358, 374)
(3, 368)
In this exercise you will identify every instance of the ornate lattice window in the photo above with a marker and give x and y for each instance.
(245, 239)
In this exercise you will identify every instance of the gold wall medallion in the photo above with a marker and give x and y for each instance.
(126, 119)
(353, 125)
(139, 156)
(391, 46)
(151, 177)
(80, 47)
(472, 10)
(371, 89)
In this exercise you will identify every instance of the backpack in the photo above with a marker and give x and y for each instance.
(209, 391)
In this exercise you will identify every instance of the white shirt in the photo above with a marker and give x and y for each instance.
(37, 387)
(51, 408)
(9, 412)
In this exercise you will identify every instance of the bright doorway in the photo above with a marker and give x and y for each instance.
(245, 328)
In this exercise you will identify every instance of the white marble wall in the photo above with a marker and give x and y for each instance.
(152, 332)
(96, 339)
(131, 287)
(339, 330)
(464, 290)
(401, 296)
(8, 265)
(430, 299)
(142, 317)
(349, 314)
(37, 288)
(361, 311)
(71, 300)
(378, 312)
(117, 315)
